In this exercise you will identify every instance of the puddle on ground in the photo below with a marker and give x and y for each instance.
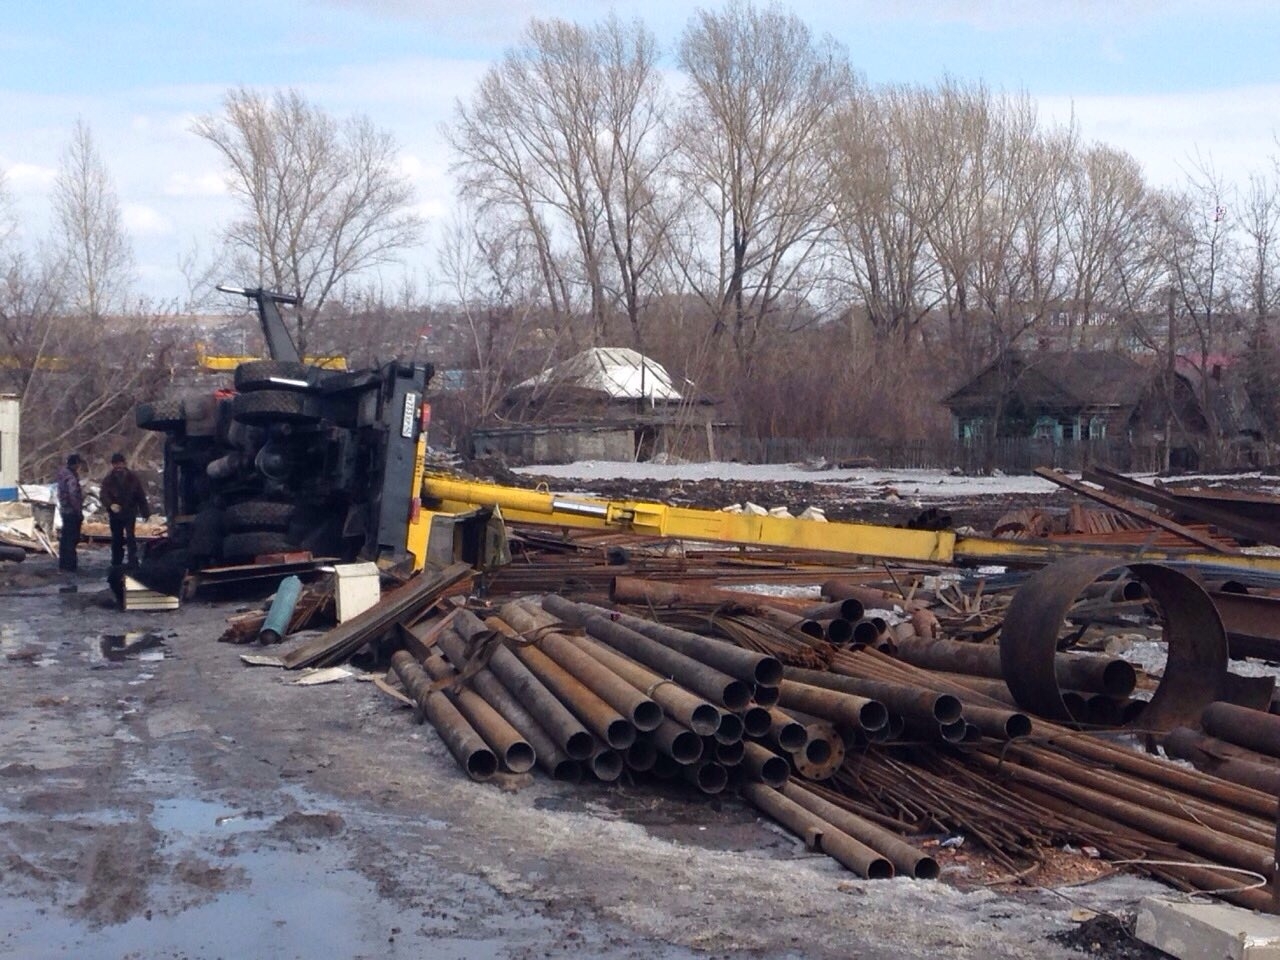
(293, 904)
(193, 817)
(116, 647)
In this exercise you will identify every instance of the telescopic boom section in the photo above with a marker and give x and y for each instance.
(279, 344)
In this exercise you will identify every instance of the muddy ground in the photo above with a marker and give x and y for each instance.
(175, 803)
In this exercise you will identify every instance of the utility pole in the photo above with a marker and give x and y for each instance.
(1170, 371)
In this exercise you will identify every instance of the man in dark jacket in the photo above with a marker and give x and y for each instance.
(71, 507)
(125, 500)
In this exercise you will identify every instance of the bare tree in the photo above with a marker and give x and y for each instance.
(563, 139)
(877, 215)
(1107, 211)
(761, 99)
(494, 281)
(98, 255)
(320, 201)
(1260, 254)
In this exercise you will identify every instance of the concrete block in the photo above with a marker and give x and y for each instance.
(357, 589)
(1192, 931)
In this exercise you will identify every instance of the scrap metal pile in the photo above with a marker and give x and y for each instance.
(855, 721)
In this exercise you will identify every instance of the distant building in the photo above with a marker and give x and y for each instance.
(1120, 408)
(606, 403)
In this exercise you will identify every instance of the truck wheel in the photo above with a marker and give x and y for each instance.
(259, 515)
(258, 374)
(159, 415)
(254, 543)
(275, 406)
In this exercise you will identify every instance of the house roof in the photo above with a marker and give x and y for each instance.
(619, 372)
(1057, 378)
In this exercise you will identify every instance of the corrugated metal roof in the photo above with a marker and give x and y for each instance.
(620, 372)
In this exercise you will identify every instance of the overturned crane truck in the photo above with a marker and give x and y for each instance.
(296, 457)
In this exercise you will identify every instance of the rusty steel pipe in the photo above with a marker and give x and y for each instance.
(822, 754)
(680, 744)
(678, 703)
(756, 721)
(641, 755)
(837, 631)
(861, 713)
(607, 765)
(1201, 877)
(1000, 724)
(865, 632)
(1205, 753)
(871, 598)
(788, 622)
(1227, 850)
(819, 834)
(707, 775)
(597, 715)
(467, 747)
(766, 696)
(1258, 731)
(764, 765)
(508, 745)
(730, 729)
(1204, 813)
(898, 698)
(1112, 676)
(785, 730)
(549, 755)
(848, 609)
(754, 668)
(725, 754)
(905, 858)
(715, 685)
(664, 768)
(552, 715)
(644, 713)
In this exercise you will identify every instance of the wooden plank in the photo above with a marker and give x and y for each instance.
(1124, 506)
(1220, 516)
(398, 607)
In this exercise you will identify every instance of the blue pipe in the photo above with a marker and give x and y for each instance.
(276, 625)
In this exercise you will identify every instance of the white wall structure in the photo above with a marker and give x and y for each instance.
(9, 421)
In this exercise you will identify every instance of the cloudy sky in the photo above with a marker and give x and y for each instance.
(1168, 80)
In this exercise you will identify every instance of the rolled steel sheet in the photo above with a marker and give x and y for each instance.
(1197, 661)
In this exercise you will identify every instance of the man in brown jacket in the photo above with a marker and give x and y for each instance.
(125, 500)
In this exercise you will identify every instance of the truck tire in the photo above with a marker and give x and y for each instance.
(259, 515)
(257, 375)
(254, 543)
(159, 415)
(262, 407)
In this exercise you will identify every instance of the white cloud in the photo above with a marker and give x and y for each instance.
(1235, 129)
(182, 184)
(30, 177)
(142, 220)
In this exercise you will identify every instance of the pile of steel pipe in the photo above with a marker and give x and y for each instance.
(603, 692)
